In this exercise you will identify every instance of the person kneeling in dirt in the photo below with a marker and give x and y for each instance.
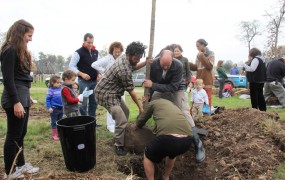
(275, 73)
(171, 128)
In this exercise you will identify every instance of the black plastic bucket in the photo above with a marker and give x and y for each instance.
(78, 142)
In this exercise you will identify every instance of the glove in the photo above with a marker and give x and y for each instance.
(80, 97)
(87, 93)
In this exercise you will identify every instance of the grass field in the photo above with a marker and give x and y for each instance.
(39, 138)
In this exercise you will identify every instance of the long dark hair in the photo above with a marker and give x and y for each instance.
(219, 64)
(254, 52)
(15, 38)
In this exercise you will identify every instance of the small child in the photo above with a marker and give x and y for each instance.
(70, 99)
(54, 104)
(75, 88)
(198, 98)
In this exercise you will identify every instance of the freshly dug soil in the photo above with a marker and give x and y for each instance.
(236, 148)
(272, 100)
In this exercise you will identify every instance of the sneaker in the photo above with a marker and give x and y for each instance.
(17, 174)
(28, 168)
(98, 125)
(120, 151)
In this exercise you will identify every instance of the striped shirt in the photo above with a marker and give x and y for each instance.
(114, 83)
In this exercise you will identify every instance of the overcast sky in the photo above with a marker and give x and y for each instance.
(61, 24)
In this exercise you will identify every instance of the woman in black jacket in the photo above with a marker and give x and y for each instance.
(16, 66)
(256, 76)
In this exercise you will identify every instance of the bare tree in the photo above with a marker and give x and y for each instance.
(249, 29)
(228, 64)
(274, 25)
(104, 52)
(150, 50)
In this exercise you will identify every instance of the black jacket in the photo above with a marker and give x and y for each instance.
(275, 71)
(85, 61)
(259, 75)
(16, 80)
(173, 79)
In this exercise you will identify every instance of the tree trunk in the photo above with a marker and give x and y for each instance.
(150, 51)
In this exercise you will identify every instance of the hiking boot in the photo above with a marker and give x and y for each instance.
(28, 168)
(120, 151)
(199, 149)
(17, 174)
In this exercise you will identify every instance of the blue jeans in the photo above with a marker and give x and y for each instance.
(56, 115)
(89, 109)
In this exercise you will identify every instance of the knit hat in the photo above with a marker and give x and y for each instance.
(202, 41)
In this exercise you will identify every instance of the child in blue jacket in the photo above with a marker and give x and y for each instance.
(54, 104)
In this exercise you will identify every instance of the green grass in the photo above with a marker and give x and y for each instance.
(232, 102)
(39, 85)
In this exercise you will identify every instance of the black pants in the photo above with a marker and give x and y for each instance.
(16, 131)
(167, 146)
(221, 88)
(256, 96)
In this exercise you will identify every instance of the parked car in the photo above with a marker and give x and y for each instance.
(138, 79)
(234, 80)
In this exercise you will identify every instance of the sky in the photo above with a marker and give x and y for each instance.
(61, 24)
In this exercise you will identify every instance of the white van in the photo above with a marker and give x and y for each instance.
(138, 79)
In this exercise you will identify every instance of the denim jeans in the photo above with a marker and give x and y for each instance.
(89, 104)
(16, 131)
(56, 115)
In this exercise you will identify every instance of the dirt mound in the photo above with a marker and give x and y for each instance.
(236, 148)
(272, 100)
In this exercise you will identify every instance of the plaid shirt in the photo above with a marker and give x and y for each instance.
(114, 83)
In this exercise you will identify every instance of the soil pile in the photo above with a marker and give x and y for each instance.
(236, 148)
